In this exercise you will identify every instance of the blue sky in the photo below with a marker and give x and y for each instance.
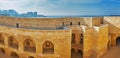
(64, 7)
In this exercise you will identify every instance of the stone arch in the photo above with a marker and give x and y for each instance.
(48, 47)
(76, 54)
(2, 51)
(29, 46)
(118, 41)
(14, 55)
(30, 57)
(1, 39)
(73, 38)
(80, 53)
(12, 42)
(73, 50)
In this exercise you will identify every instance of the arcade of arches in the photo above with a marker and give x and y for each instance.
(76, 52)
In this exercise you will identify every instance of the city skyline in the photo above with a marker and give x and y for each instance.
(64, 7)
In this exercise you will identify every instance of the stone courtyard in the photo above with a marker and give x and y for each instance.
(88, 37)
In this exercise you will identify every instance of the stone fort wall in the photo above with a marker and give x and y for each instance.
(93, 36)
(45, 23)
(24, 43)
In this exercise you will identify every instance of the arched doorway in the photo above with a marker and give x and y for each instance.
(73, 38)
(12, 42)
(72, 53)
(2, 51)
(14, 55)
(77, 54)
(80, 53)
(1, 39)
(118, 41)
(29, 46)
(48, 47)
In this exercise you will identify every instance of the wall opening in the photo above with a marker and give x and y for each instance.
(30, 57)
(62, 23)
(12, 42)
(75, 54)
(2, 51)
(14, 55)
(48, 47)
(1, 39)
(80, 54)
(29, 46)
(78, 23)
(118, 41)
(17, 25)
(108, 45)
(73, 38)
(81, 39)
(72, 53)
(70, 23)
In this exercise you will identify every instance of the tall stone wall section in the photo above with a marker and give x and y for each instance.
(61, 40)
(95, 41)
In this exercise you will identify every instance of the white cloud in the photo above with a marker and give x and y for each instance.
(51, 6)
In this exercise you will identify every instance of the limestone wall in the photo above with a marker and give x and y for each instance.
(46, 23)
(97, 21)
(38, 23)
(61, 40)
(102, 40)
(89, 44)
(114, 28)
(95, 41)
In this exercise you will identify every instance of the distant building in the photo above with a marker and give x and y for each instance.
(13, 13)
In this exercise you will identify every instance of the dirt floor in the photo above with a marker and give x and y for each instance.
(113, 52)
(3, 56)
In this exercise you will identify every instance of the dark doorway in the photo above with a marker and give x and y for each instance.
(118, 41)
(2, 51)
(75, 54)
(14, 55)
(73, 38)
(17, 25)
(30, 57)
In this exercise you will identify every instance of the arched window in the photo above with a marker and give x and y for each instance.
(2, 51)
(48, 47)
(1, 39)
(14, 55)
(73, 38)
(29, 46)
(12, 42)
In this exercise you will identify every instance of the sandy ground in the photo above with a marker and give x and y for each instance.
(113, 52)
